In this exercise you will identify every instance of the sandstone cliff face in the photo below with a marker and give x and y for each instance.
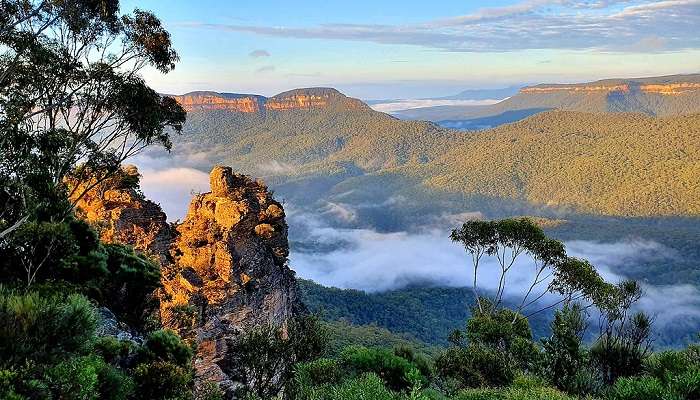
(229, 269)
(298, 99)
(122, 214)
(224, 268)
(214, 101)
(669, 89)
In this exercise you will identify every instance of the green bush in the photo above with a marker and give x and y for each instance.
(318, 372)
(542, 393)
(687, 384)
(475, 366)
(165, 345)
(668, 364)
(44, 329)
(163, 380)
(365, 387)
(394, 370)
(75, 378)
(640, 388)
(209, 391)
(128, 291)
(113, 350)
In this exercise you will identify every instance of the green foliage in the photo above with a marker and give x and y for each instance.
(393, 369)
(42, 329)
(565, 359)
(263, 359)
(498, 345)
(541, 393)
(208, 391)
(165, 346)
(113, 350)
(129, 289)
(367, 386)
(42, 251)
(163, 380)
(639, 388)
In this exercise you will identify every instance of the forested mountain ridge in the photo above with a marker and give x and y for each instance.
(611, 164)
(657, 96)
(296, 99)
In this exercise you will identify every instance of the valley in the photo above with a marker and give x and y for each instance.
(604, 178)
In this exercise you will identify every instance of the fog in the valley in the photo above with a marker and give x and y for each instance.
(401, 105)
(370, 260)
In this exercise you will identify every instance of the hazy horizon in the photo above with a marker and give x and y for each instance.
(397, 50)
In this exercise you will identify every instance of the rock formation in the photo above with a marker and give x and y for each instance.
(224, 268)
(229, 269)
(244, 103)
(122, 214)
(298, 99)
(666, 89)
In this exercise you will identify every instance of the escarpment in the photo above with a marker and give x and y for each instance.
(224, 268)
(121, 213)
(297, 99)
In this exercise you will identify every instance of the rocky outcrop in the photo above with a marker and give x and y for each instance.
(575, 89)
(230, 271)
(298, 99)
(666, 89)
(122, 214)
(224, 268)
(243, 103)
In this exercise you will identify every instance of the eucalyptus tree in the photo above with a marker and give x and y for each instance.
(512, 241)
(71, 92)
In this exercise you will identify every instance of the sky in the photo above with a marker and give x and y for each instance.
(393, 49)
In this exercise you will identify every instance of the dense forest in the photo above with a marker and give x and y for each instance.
(610, 164)
(79, 316)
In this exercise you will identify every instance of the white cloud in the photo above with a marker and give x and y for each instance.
(533, 24)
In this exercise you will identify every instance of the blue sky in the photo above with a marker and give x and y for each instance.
(403, 49)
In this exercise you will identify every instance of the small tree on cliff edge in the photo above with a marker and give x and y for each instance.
(71, 91)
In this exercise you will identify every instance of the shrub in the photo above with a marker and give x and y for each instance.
(128, 291)
(394, 370)
(667, 364)
(113, 350)
(163, 380)
(165, 345)
(541, 393)
(687, 384)
(565, 360)
(365, 387)
(44, 329)
(639, 388)
(263, 359)
(409, 354)
(475, 366)
(208, 391)
(75, 378)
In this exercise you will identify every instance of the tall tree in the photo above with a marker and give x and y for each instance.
(521, 244)
(71, 93)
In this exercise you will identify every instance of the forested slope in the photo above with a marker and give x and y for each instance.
(611, 164)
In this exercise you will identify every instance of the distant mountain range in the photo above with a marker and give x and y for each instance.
(611, 164)
(301, 99)
(482, 94)
(656, 96)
